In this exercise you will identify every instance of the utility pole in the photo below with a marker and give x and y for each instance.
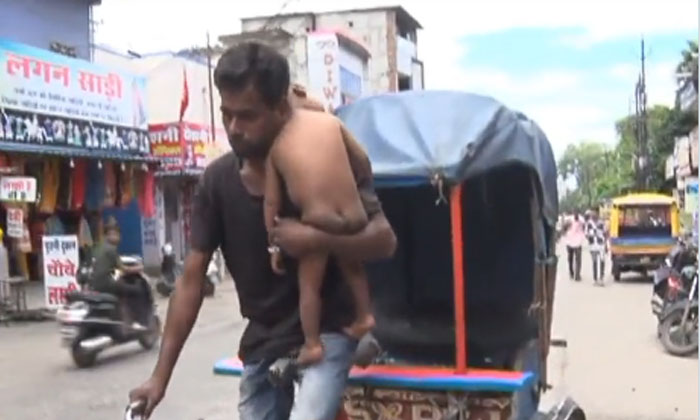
(641, 133)
(211, 92)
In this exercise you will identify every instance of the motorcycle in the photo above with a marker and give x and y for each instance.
(171, 269)
(91, 322)
(669, 282)
(678, 327)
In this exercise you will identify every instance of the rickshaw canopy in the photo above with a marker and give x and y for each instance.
(413, 136)
(641, 199)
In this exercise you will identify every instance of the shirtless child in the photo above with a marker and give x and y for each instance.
(319, 162)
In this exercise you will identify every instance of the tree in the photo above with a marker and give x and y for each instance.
(664, 125)
(688, 67)
(594, 167)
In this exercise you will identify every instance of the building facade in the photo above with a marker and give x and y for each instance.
(184, 145)
(389, 34)
(58, 25)
(74, 146)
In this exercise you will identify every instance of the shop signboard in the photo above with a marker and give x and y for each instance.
(149, 241)
(19, 189)
(60, 258)
(324, 68)
(691, 195)
(55, 100)
(167, 142)
(15, 222)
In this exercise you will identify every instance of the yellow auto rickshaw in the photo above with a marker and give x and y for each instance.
(643, 229)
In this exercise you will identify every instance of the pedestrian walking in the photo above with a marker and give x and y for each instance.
(574, 239)
(598, 246)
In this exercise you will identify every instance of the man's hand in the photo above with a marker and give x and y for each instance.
(375, 241)
(294, 237)
(150, 394)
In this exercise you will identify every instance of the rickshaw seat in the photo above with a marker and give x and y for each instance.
(417, 377)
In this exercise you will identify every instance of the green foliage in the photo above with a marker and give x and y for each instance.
(603, 172)
(688, 66)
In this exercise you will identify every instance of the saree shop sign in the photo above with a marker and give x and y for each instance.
(36, 81)
(60, 268)
(20, 189)
(181, 145)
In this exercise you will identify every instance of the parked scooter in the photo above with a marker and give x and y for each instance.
(171, 269)
(678, 328)
(91, 322)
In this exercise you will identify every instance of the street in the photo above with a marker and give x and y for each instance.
(613, 365)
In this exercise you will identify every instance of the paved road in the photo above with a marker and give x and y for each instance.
(613, 365)
(39, 381)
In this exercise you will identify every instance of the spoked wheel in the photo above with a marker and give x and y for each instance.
(680, 341)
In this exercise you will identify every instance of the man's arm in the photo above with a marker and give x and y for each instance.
(375, 241)
(182, 313)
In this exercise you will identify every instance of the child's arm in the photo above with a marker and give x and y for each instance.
(273, 194)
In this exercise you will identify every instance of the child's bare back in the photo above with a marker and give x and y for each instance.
(311, 157)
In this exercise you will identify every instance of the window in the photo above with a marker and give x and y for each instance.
(404, 83)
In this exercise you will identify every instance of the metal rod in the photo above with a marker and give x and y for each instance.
(458, 278)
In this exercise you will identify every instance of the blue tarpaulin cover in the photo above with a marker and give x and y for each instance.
(413, 135)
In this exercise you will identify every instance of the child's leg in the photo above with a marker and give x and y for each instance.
(312, 268)
(356, 276)
(273, 200)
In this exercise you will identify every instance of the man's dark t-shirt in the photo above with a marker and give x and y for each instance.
(226, 215)
(106, 260)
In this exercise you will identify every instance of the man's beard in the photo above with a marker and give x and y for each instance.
(251, 149)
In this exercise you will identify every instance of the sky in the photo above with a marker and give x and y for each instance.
(571, 65)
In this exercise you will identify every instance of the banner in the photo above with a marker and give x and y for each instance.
(15, 222)
(39, 81)
(20, 189)
(324, 68)
(61, 259)
(166, 144)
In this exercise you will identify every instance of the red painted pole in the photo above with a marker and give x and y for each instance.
(458, 278)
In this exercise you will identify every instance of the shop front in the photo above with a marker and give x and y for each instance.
(74, 150)
(185, 148)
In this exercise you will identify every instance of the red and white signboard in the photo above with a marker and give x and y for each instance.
(15, 222)
(324, 68)
(60, 268)
(21, 189)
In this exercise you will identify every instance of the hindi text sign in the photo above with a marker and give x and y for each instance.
(21, 189)
(60, 268)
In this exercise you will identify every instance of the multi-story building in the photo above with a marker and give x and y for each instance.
(63, 26)
(389, 34)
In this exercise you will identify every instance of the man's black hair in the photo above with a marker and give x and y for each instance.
(257, 63)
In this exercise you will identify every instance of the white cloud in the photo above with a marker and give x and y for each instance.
(557, 100)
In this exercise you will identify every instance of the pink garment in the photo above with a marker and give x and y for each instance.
(576, 235)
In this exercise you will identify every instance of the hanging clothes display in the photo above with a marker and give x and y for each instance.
(147, 194)
(126, 185)
(110, 195)
(79, 186)
(95, 190)
(84, 234)
(49, 186)
(65, 185)
(54, 226)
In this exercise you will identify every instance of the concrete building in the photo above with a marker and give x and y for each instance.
(332, 64)
(389, 33)
(164, 73)
(63, 26)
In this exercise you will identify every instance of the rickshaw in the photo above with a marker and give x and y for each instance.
(464, 307)
(644, 227)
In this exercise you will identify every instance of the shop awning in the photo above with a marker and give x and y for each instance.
(74, 152)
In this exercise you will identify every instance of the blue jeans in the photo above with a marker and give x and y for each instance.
(319, 394)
